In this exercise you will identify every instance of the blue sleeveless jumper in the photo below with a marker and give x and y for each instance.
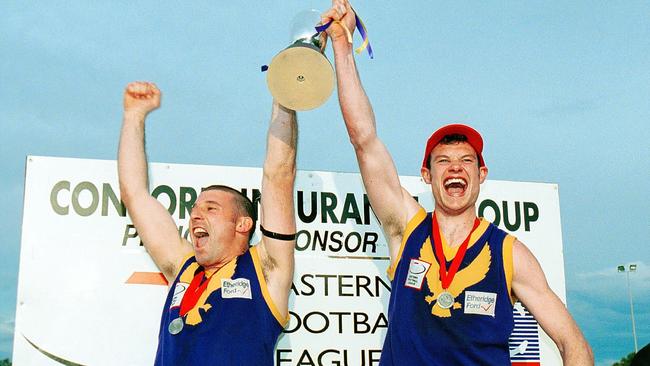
(475, 330)
(233, 323)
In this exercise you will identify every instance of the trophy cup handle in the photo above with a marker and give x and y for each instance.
(323, 41)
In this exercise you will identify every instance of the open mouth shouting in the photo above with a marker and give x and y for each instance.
(455, 186)
(201, 236)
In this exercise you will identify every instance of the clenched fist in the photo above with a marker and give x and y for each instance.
(141, 97)
(341, 11)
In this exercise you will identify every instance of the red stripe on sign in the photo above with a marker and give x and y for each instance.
(526, 364)
(147, 278)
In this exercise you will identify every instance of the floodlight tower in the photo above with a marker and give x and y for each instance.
(630, 268)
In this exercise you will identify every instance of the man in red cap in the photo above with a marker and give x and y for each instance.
(454, 277)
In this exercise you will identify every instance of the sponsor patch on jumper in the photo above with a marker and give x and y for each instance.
(179, 291)
(417, 273)
(238, 288)
(481, 303)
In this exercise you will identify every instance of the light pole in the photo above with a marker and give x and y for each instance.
(630, 268)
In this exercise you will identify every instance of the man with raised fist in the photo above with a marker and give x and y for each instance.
(228, 300)
(454, 276)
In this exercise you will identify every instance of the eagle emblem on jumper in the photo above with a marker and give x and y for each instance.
(193, 317)
(470, 275)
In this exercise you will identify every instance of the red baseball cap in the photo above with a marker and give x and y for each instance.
(473, 138)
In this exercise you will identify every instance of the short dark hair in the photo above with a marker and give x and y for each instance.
(244, 204)
(454, 138)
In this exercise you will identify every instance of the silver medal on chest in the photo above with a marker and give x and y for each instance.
(445, 300)
(176, 326)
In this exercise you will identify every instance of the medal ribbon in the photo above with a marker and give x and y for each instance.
(193, 292)
(447, 277)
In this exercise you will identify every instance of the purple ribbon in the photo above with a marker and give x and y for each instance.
(362, 31)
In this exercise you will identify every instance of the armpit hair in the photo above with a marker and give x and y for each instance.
(268, 265)
(392, 227)
(167, 267)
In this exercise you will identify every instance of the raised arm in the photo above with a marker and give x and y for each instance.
(391, 203)
(278, 206)
(530, 287)
(154, 224)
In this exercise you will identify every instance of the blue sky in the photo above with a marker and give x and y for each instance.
(560, 91)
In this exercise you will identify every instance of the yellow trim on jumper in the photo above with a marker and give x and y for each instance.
(450, 252)
(508, 265)
(188, 273)
(412, 224)
(180, 265)
(265, 290)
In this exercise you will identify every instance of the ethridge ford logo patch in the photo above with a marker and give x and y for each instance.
(482, 303)
(238, 288)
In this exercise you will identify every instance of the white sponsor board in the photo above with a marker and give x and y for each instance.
(78, 305)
